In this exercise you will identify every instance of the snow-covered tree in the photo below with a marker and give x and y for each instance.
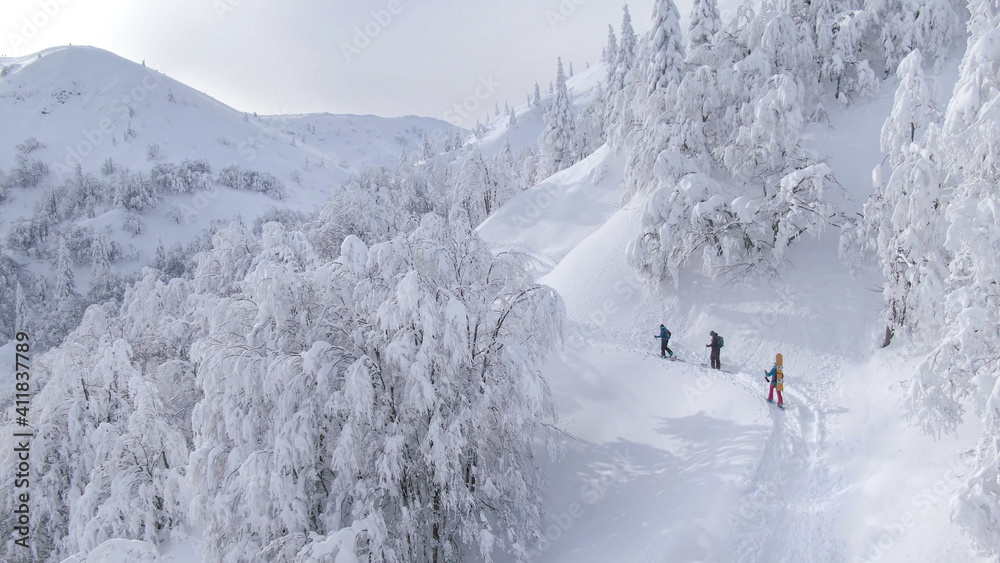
(701, 115)
(365, 407)
(903, 217)
(667, 57)
(482, 187)
(104, 282)
(557, 145)
(705, 24)
(625, 59)
(621, 90)
(962, 370)
(12, 299)
(839, 49)
(65, 287)
(528, 157)
(368, 207)
(770, 142)
(238, 178)
(590, 127)
(912, 111)
(918, 24)
(133, 192)
(28, 172)
(22, 310)
(693, 216)
(610, 54)
(445, 353)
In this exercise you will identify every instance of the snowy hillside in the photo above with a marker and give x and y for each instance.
(100, 147)
(455, 358)
(82, 101)
(86, 106)
(676, 462)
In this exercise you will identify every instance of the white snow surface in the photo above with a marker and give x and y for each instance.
(667, 460)
(672, 461)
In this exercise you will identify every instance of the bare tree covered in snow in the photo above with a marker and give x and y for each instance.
(384, 404)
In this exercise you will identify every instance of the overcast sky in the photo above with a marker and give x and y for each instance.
(384, 57)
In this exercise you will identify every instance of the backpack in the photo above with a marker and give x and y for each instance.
(721, 341)
(668, 334)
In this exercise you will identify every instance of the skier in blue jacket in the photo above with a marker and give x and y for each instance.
(664, 337)
(772, 377)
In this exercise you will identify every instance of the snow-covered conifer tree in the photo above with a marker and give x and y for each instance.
(667, 57)
(627, 46)
(22, 310)
(704, 25)
(65, 288)
(590, 127)
(610, 54)
(626, 86)
(427, 150)
(104, 283)
(558, 143)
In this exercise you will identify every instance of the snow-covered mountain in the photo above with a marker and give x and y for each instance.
(383, 380)
(86, 106)
(97, 146)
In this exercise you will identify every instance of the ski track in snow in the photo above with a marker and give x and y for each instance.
(790, 508)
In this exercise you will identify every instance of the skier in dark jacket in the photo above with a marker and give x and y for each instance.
(664, 337)
(716, 346)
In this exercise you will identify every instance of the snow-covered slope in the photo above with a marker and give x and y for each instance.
(667, 460)
(675, 462)
(86, 105)
(80, 101)
(531, 118)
